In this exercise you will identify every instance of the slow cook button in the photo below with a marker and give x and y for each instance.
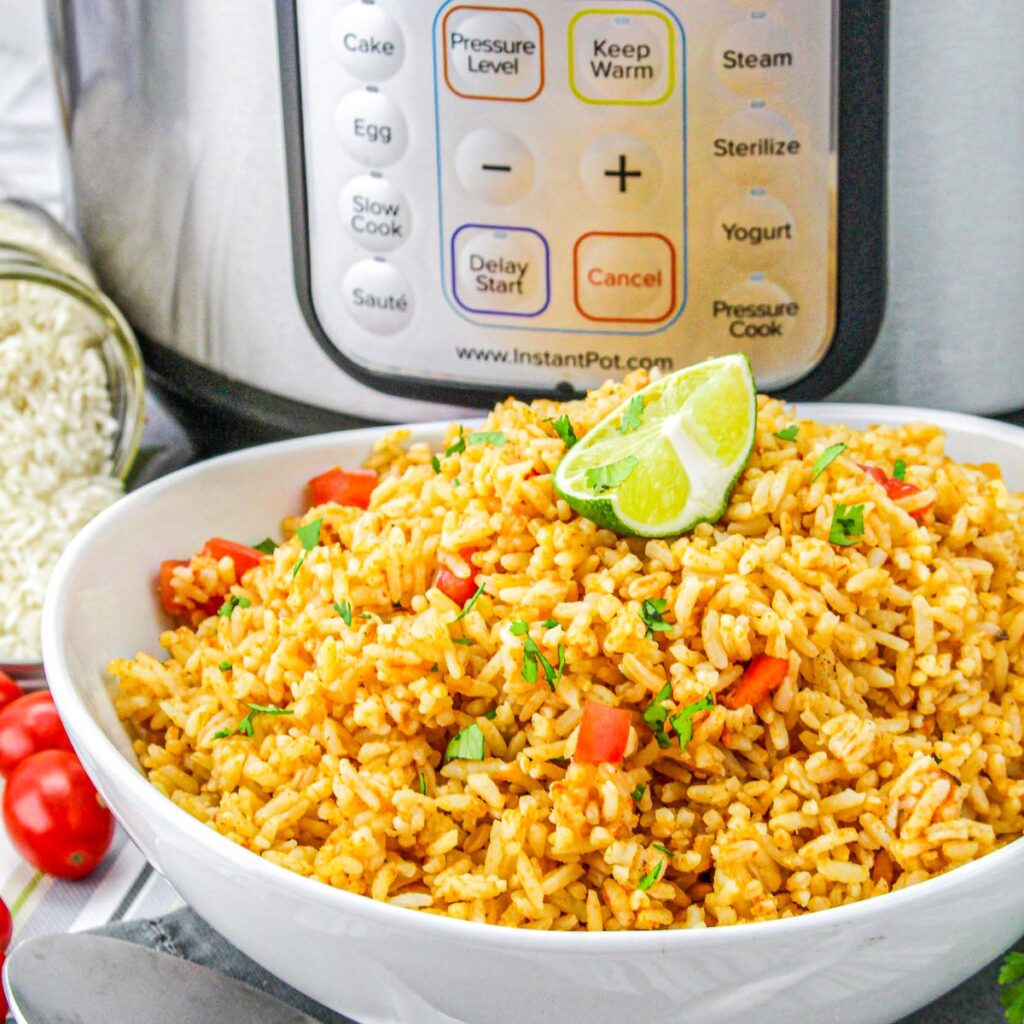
(754, 144)
(371, 127)
(628, 278)
(374, 213)
(377, 296)
(367, 41)
(754, 230)
(753, 310)
(500, 270)
(755, 56)
(493, 53)
(621, 57)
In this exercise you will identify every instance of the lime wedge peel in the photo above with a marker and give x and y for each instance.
(693, 442)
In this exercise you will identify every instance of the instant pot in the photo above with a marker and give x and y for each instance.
(322, 211)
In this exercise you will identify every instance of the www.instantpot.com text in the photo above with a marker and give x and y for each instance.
(575, 360)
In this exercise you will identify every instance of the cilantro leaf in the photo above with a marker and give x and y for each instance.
(847, 525)
(656, 713)
(465, 641)
(563, 428)
(638, 793)
(458, 445)
(518, 628)
(652, 876)
(345, 611)
(788, 433)
(650, 615)
(561, 666)
(1011, 977)
(467, 607)
(309, 537)
(549, 623)
(492, 437)
(266, 546)
(826, 458)
(662, 847)
(225, 666)
(899, 470)
(227, 609)
(603, 478)
(682, 721)
(467, 744)
(245, 726)
(423, 784)
(633, 415)
(435, 462)
(491, 715)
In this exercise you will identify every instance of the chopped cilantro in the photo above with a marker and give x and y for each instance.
(788, 433)
(436, 463)
(434, 667)
(656, 713)
(561, 666)
(365, 615)
(465, 641)
(549, 623)
(456, 482)
(472, 601)
(467, 744)
(652, 876)
(899, 471)
(309, 537)
(533, 659)
(1011, 977)
(225, 666)
(826, 458)
(638, 793)
(847, 525)
(633, 415)
(244, 727)
(491, 437)
(518, 628)
(603, 478)
(682, 721)
(650, 615)
(563, 428)
(266, 546)
(423, 784)
(662, 847)
(491, 715)
(458, 445)
(345, 611)
(227, 609)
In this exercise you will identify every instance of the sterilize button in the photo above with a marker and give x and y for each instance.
(374, 213)
(377, 296)
(755, 56)
(493, 53)
(494, 165)
(367, 41)
(754, 230)
(371, 127)
(621, 170)
(621, 57)
(500, 270)
(630, 278)
(755, 143)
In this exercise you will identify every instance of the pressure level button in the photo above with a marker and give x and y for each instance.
(367, 41)
(371, 127)
(377, 296)
(374, 213)
(493, 53)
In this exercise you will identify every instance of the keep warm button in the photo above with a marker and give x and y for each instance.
(500, 270)
(626, 278)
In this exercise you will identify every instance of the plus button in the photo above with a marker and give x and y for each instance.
(622, 174)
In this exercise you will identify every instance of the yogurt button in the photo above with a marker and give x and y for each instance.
(374, 213)
(754, 230)
(367, 41)
(494, 165)
(755, 56)
(377, 296)
(371, 127)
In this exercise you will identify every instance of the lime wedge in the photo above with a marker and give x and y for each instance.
(677, 466)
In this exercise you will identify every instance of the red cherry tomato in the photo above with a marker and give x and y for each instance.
(344, 487)
(242, 555)
(6, 928)
(28, 725)
(54, 816)
(603, 734)
(9, 690)
(4, 1008)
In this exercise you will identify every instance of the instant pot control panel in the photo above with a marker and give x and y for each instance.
(533, 196)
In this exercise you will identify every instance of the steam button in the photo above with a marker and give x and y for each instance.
(371, 127)
(367, 41)
(755, 56)
(377, 296)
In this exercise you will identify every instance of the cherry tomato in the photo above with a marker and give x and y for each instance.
(9, 690)
(4, 1008)
(344, 486)
(603, 734)
(6, 927)
(28, 725)
(244, 557)
(54, 816)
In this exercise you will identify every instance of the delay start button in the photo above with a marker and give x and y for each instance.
(624, 277)
(377, 296)
(500, 270)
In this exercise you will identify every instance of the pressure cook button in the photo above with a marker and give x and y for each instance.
(493, 53)
(630, 278)
(367, 41)
(377, 296)
(755, 230)
(755, 56)
(754, 144)
(494, 165)
(374, 213)
(371, 128)
(500, 270)
(754, 309)
(621, 57)
(621, 170)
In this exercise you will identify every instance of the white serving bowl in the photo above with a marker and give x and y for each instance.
(867, 963)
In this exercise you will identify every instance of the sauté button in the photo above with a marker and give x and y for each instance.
(371, 127)
(494, 165)
(500, 270)
(620, 57)
(377, 296)
(374, 213)
(754, 230)
(367, 41)
(754, 144)
(629, 278)
(621, 170)
(755, 56)
(493, 53)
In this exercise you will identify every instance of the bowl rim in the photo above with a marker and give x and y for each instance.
(91, 741)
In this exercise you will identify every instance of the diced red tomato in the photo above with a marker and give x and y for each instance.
(344, 487)
(763, 675)
(876, 474)
(603, 734)
(896, 488)
(169, 600)
(460, 589)
(244, 557)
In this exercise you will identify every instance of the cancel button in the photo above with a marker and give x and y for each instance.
(629, 278)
